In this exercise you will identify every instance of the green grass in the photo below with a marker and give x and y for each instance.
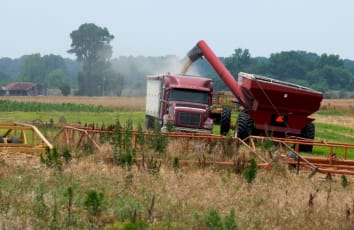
(333, 133)
(9, 106)
(333, 112)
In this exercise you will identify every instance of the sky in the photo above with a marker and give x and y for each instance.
(162, 27)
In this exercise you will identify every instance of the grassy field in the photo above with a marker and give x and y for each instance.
(95, 191)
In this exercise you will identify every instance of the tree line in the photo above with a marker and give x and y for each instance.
(324, 72)
(95, 73)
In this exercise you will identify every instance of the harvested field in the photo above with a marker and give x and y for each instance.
(338, 104)
(345, 120)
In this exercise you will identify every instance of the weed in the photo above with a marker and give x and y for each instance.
(150, 165)
(230, 221)
(227, 177)
(344, 181)
(310, 202)
(87, 147)
(213, 220)
(175, 163)
(93, 202)
(117, 141)
(123, 151)
(51, 158)
(170, 127)
(54, 223)
(125, 205)
(69, 194)
(40, 208)
(128, 136)
(151, 208)
(140, 136)
(227, 146)
(250, 171)
(211, 146)
(67, 155)
(241, 162)
(157, 141)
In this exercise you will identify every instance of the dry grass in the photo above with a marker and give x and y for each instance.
(276, 200)
(341, 104)
(343, 120)
(344, 105)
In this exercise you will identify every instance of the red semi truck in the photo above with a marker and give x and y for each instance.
(179, 101)
(270, 107)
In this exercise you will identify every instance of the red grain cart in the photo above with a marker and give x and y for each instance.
(270, 107)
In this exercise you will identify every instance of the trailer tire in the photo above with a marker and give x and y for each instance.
(225, 121)
(307, 132)
(244, 125)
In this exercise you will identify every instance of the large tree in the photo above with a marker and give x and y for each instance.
(91, 45)
(33, 69)
(4, 78)
(239, 61)
(57, 78)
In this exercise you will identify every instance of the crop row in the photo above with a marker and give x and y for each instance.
(10, 106)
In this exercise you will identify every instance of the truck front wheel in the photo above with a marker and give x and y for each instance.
(225, 121)
(149, 122)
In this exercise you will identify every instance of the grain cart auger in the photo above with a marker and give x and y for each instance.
(270, 107)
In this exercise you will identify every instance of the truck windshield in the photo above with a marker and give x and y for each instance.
(195, 96)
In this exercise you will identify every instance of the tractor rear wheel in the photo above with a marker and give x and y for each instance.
(307, 132)
(225, 121)
(244, 125)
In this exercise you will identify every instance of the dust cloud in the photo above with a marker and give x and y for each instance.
(134, 70)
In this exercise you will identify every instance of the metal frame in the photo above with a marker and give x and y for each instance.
(28, 139)
(75, 136)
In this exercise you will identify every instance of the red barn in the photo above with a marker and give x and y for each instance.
(24, 89)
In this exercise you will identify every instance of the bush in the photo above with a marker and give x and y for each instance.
(52, 158)
(93, 202)
(214, 221)
(344, 181)
(250, 171)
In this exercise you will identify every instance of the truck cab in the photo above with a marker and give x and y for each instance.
(179, 102)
